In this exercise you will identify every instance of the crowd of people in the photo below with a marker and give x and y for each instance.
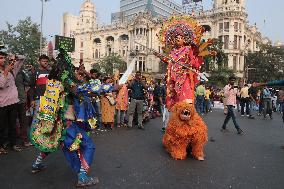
(136, 101)
(22, 86)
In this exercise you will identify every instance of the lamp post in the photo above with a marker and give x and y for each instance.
(41, 23)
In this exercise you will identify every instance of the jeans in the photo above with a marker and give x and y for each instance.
(230, 114)
(245, 102)
(200, 104)
(132, 107)
(8, 115)
(120, 116)
(267, 104)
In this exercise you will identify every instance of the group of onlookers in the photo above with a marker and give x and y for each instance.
(120, 105)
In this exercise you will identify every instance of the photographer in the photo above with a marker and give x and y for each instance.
(8, 99)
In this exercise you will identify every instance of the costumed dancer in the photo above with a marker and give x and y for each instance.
(65, 118)
(181, 37)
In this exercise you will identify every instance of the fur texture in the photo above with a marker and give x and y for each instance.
(185, 130)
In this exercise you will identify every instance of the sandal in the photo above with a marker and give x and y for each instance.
(17, 148)
(3, 151)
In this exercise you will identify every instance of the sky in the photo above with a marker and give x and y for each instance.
(267, 15)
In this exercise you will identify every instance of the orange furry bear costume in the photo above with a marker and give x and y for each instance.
(185, 130)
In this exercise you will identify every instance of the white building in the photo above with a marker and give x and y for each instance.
(226, 21)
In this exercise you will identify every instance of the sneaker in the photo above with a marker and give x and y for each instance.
(27, 144)
(242, 115)
(38, 167)
(200, 158)
(271, 117)
(163, 129)
(240, 132)
(141, 127)
(250, 117)
(84, 180)
(3, 151)
(224, 130)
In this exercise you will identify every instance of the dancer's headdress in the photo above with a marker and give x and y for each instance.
(180, 25)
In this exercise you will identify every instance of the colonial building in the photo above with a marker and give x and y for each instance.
(227, 20)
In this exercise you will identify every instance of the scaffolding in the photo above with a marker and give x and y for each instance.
(192, 6)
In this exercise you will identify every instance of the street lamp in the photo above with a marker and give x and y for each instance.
(41, 21)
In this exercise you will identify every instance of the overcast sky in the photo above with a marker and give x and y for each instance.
(268, 15)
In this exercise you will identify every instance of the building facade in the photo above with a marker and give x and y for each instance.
(159, 8)
(227, 21)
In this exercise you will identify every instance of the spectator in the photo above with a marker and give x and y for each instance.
(207, 100)
(8, 101)
(230, 95)
(107, 103)
(245, 99)
(281, 101)
(137, 87)
(38, 82)
(159, 97)
(95, 76)
(121, 105)
(22, 81)
(200, 98)
(267, 104)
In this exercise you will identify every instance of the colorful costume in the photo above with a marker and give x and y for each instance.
(181, 36)
(65, 118)
(185, 59)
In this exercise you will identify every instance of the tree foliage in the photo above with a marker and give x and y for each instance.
(221, 59)
(267, 64)
(108, 64)
(23, 39)
(219, 77)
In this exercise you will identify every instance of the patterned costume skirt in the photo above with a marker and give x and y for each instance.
(78, 147)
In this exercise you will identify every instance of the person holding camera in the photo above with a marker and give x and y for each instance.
(230, 93)
(8, 100)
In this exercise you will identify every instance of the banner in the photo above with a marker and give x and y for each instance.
(128, 72)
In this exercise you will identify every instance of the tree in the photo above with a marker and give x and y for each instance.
(219, 77)
(221, 59)
(109, 63)
(23, 39)
(266, 64)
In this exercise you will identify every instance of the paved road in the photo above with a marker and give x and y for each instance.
(136, 159)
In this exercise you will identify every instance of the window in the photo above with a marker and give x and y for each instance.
(226, 42)
(240, 42)
(220, 38)
(96, 54)
(81, 56)
(82, 44)
(236, 26)
(235, 42)
(221, 26)
(235, 63)
(227, 26)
